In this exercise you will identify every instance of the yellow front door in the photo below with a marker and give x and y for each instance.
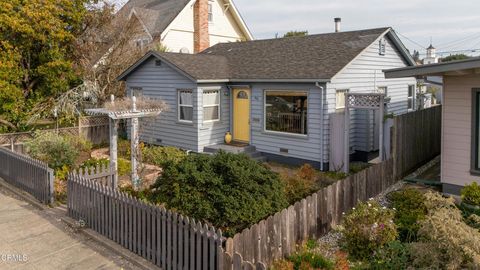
(241, 115)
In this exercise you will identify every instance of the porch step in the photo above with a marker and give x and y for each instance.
(249, 150)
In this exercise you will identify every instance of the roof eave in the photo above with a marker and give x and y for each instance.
(433, 69)
(264, 81)
(149, 54)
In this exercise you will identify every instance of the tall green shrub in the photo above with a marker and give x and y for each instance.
(471, 194)
(410, 211)
(228, 190)
(57, 151)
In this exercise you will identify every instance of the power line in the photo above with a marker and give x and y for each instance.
(457, 51)
(414, 42)
(460, 42)
(455, 41)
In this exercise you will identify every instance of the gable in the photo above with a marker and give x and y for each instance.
(147, 67)
(227, 22)
(395, 56)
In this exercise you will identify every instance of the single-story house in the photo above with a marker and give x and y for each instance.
(275, 95)
(460, 161)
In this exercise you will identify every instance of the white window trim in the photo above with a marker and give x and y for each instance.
(213, 105)
(343, 106)
(210, 12)
(180, 105)
(411, 97)
(290, 134)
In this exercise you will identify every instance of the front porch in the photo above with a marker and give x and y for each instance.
(236, 148)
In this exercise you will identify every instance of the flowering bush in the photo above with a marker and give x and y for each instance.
(366, 228)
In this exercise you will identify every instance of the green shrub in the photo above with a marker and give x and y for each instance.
(124, 167)
(123, 148)
(162, 155)
(230, 191)
(471, 194)
(94, 162)
(445, 241)
(55, 150)
(410, 210)
(394, 256)
(367, 228)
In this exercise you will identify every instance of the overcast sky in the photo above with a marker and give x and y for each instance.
(452, 24)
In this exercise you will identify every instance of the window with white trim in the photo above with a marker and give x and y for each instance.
(286, 111)
(411, 97)
(210, 12)
(185, 105)
(340, 99)
(211, 105)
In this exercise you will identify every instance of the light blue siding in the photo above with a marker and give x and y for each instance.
(308, 147)
(162, 82)
(363, 75)
(211, 133)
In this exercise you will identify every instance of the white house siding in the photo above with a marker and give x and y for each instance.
(456, 129)
(162, 82)
(363, 75)
(211, 133)
(179, 34)
(306, 148)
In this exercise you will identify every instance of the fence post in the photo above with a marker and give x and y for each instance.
(51, 191)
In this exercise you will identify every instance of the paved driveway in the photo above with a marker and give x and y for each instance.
(34, 239)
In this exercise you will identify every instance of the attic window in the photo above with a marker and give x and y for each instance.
(382, 46)
(158, 63)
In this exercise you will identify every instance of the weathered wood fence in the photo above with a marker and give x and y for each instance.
(101, 174)
(416, 139)
(28, 174)
(278, 235)
(92, 128)
(163, 237)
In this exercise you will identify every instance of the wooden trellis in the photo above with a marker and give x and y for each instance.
(372, 101)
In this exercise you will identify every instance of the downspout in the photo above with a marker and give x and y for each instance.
(317, 84)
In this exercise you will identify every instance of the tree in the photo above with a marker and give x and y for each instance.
(37, 40)
(455, 57)
(296, 34)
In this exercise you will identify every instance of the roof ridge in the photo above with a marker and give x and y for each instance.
(300, 37)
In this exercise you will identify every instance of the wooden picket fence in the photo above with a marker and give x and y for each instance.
(28, 174)
(163, 237)
(278, 235)
(101, 174)
(416, 139)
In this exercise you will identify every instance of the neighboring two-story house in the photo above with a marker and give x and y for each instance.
(184, 26)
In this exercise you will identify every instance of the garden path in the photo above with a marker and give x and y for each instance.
(33, 239)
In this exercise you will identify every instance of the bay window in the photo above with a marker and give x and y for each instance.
(286, 111)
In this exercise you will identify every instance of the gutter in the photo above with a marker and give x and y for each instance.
(317, 84)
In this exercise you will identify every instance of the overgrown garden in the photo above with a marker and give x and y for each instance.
(417, 229)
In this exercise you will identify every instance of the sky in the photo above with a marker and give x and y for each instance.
(452, 25)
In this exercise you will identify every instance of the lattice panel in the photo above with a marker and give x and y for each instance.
(92, 121)
(364, 101)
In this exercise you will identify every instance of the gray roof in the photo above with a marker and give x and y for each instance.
(156, 15)
(310, 58)
(434, 69)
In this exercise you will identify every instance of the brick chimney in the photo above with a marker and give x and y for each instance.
(201, 37)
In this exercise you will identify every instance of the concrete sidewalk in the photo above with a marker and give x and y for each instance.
(33, 239)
